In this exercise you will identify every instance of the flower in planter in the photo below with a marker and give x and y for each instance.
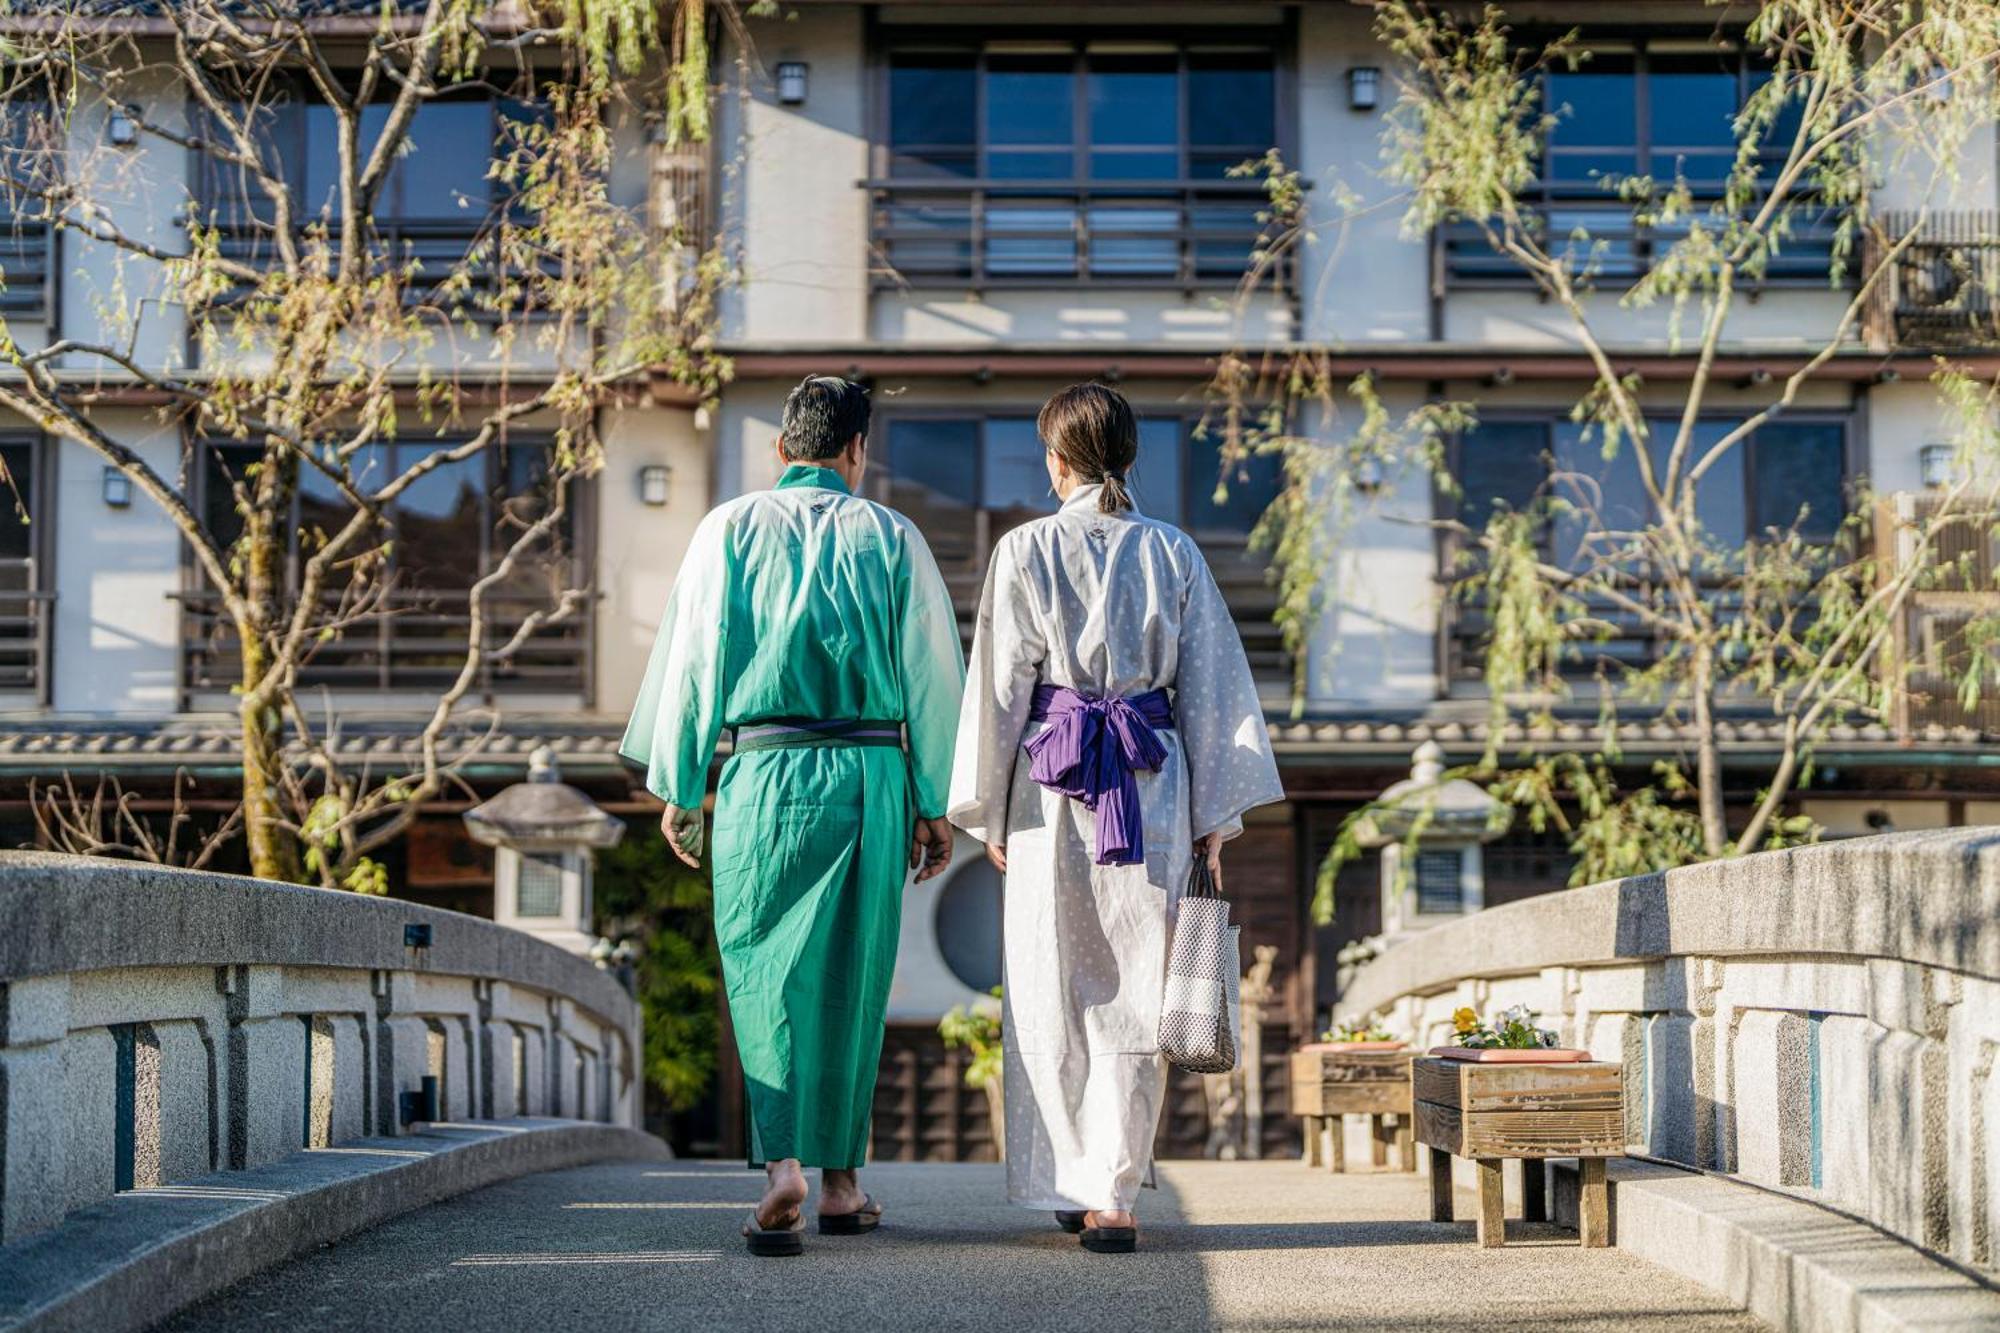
(1512, 1029)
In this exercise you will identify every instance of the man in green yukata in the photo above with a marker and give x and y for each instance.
(814, 626)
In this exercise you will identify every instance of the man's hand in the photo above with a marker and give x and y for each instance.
(996, 852)
(930, 848)
(683, 829)
(1209, 849)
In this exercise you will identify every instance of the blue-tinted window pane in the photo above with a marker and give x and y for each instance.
(1228, 501)
(1718, 501)
(1800, 469)
(1031, 240)
(438, 523)
(1231, 102)
(1017, 480)
(1134, 105)
(1597, 103)
(1501, 464)
(1135, 240)
(1158, 482)
(442, 173)
(1693, 101)
(1031, 101)
(1030, 164)
(931, 101)
(934, 481)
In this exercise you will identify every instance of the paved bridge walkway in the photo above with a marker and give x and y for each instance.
(1263, 1245)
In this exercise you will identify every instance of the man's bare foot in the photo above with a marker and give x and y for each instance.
(840, 1193)
(785, 1190)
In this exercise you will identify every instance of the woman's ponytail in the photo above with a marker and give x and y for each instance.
(1092, 429)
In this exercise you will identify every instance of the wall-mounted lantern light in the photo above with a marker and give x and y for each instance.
(1934, 464)
(792, 82)
(1364, 87)
(654, 480)
(117, 489)
(122, 128)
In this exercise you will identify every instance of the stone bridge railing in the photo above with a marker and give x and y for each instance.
(157, 1025)
(1822, 1022)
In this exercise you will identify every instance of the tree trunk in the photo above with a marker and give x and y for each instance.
(1708, 757)
(274, 852)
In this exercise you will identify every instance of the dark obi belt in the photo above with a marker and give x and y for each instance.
(778, 732)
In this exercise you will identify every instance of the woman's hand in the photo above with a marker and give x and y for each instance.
(1209, 849)
(996, 852)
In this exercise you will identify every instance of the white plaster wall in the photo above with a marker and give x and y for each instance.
(116, 631)
(793, 200)
(639, 547)
(1360, 280)
(1070, 313)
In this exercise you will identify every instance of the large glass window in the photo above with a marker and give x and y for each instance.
(1102, 159)
(445, 532)
(1787, 472)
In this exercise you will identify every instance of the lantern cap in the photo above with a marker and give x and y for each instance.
(1456, 811)
(544, 812)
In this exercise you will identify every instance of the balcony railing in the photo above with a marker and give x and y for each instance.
(430, 254)
(981, 234)
(1602, 236)
(1941, 290)
(26, 261)
(24, 630)
(417, 642)
(1931, 649)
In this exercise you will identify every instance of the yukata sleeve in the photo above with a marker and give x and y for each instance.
(1221, 721)
(933, 670)
(1007, 654)
(678, 715)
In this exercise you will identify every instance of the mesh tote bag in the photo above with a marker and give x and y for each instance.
(1202, 1012)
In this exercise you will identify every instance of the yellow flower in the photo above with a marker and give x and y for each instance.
(1465, 1020)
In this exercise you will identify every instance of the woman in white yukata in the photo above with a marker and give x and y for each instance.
(1111, 732)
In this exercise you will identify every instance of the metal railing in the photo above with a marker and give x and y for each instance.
(24, 629)
(452, 265)
(1940, 290)
(1602, 237)
(985, 233)
(416, 641)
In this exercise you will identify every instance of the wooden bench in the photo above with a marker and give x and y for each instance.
(1328, 1084)
(1490, 1112)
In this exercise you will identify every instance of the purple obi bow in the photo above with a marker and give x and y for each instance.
(1089, 752)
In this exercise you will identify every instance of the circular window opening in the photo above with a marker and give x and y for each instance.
(967, 924)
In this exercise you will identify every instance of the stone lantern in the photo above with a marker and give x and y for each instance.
(1452, 820)
(545, 835)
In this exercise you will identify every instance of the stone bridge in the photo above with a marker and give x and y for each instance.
(225, 1103)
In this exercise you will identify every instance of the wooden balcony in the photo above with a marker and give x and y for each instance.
(1929, 654)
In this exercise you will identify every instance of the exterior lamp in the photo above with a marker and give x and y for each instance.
(792, 82)
(1364, 87)
(122, 128)
(654, 479)
(1934, 464)
(545, 835)
(117, 489)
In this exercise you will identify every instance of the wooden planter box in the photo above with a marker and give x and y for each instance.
(1328, 1084)
(1490, 1112)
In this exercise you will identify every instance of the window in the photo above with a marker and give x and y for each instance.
(1663, 108)
(1789, 471)
(1025, 161)
(31, 160)
(965, 481)
(538, 884)
(445, 532)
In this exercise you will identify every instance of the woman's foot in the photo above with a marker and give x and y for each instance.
(1110, 1231)
(784, 1192)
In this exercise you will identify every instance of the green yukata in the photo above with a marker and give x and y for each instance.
(797, 610)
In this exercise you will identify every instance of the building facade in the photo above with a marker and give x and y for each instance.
(967, 207)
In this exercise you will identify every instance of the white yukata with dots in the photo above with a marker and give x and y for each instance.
(1107, 605)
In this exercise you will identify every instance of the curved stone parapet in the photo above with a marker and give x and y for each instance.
(1823, 1021)
(157, 1025)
